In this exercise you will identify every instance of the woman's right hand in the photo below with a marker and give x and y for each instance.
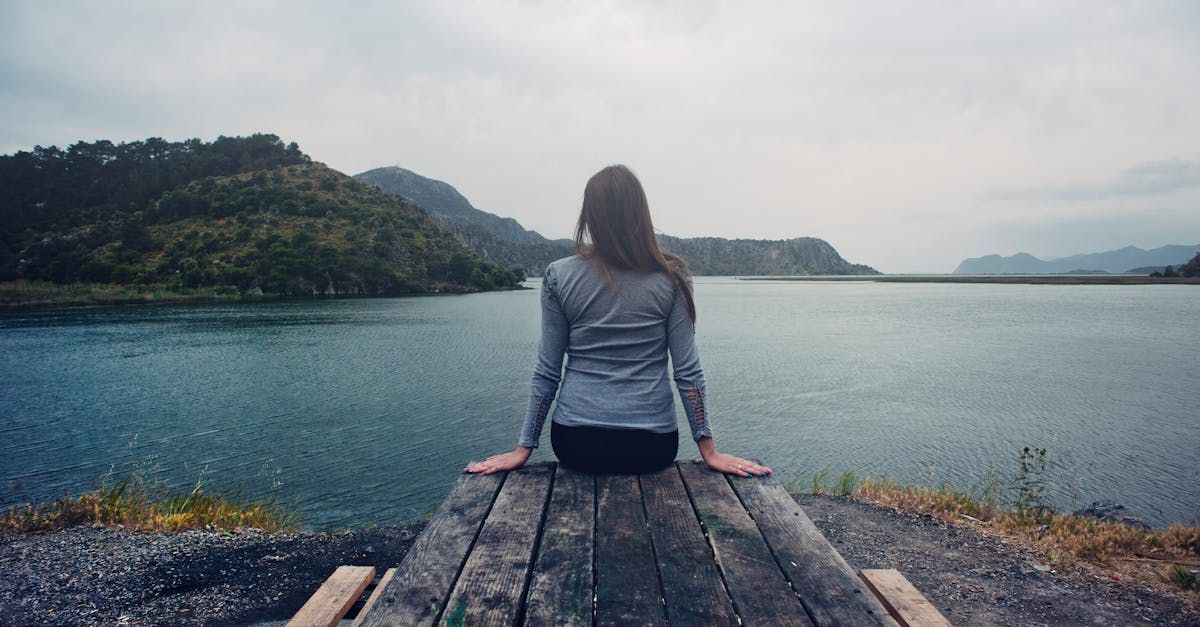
(499, 463)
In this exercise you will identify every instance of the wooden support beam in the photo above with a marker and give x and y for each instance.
(374, 598)
(334, 598)
(904, 602)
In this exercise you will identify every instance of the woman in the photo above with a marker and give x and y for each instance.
(618, 307)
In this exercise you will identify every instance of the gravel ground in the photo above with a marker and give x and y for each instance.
(98, 576)
(974, 579)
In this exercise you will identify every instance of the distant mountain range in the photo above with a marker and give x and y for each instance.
(1130, 259)
(505, 242)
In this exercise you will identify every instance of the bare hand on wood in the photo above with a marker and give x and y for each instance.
(499, 463)
(730, 464)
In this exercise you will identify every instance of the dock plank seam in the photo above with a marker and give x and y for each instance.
(774, 554)
(595, 523)
(437, 618)
(537, 546)
(662, 592)
(708, 539)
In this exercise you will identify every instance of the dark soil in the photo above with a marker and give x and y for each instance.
(99, 576)
(975, 579)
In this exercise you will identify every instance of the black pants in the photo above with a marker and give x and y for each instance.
(598, 450)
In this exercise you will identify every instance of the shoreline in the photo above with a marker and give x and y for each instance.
(1026, 279)
(18, 297)
(100, 575)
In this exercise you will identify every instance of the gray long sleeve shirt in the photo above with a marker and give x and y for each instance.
(616, 338)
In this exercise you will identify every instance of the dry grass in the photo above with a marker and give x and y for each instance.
(133, 504)
(944, 503)
(1161, 558)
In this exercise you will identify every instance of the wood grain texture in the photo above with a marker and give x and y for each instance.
(374, 598)
(560, 592)
(691, 583)
(907, 605)
(627, 591)
(761, 594)
(490, 590)
(334, 598)
(418, 591)
(826, 584)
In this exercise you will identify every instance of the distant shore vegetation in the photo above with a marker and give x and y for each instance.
(193, 220)
(1189, 270)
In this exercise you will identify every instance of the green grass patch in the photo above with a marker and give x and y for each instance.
(22, 294)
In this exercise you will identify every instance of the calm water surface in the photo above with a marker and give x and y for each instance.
(365, 411)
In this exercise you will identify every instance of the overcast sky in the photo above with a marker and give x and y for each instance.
(908, 135)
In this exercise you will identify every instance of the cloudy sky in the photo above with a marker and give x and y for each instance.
(909, 135)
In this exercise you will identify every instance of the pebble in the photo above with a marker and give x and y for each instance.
(99, 576)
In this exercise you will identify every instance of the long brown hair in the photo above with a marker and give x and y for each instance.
(614, 226)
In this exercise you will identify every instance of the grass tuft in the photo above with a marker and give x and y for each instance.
(131, 503)
(1182, 577)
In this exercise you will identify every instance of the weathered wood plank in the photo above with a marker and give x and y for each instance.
(825, 582)
(491, 587)
(691, 583)
(907, 605)
(627, 590)
(560, 592)
(374, 598)
(334, 598)
(761, 594)
(418, 591)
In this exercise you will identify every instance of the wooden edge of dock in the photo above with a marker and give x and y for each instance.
(902, 600)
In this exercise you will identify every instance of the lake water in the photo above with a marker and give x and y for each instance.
(365, 411)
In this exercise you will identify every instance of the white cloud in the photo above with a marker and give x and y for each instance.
(881, 126)
(1144, 179)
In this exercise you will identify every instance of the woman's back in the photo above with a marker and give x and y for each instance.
(616, 312)
(616, 348)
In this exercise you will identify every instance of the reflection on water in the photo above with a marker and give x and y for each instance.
(365, 410)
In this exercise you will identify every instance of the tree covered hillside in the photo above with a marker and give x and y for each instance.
(241, 212)
(756, 257)
(499, 240)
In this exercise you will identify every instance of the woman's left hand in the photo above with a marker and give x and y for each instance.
(499, 463)
(731, 464)
(726, 463)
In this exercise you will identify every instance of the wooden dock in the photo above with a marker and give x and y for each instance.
(544, 545)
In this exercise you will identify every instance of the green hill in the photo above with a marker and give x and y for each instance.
(757, 257)
(242, 215)
(497, 239)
